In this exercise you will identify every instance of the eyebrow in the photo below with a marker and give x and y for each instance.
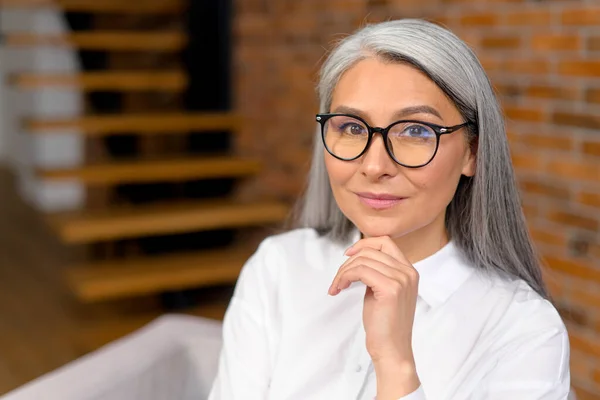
(403, 113)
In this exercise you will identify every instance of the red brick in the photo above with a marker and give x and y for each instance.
(512, 136)
(552, 92)
(592, 96)
(524, 114)
(478, 1)
(593, 43)
(578, 269)
(581, 16)
(530, 211)
(584, 393)
(573, 314)
(523, 66)
(480, 19)
(574, 169)
(595, 251)
(490, 64)
(584, 343)
(529, 18)
(574, 220)
(591, 148)
(581, 68)
(578, 120)
(526, 160)
(540, 141)
(501, 42)
(586, 298)
(440, 20)
(589, 198)
(549, 42)
(509, 90)
(553, 283)
(544, 189)
(596, 375)
(549, 237)
(579, 364)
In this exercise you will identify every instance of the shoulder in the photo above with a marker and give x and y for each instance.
(518, 317)
(525, 303)
(527, 337)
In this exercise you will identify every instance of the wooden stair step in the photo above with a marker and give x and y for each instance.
(149, 275)
(146, 220)
(102, 6)
(155, 170)
(175, 122)
(103, 40)
(106, 80)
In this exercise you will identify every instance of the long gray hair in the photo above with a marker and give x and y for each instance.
(484, 219)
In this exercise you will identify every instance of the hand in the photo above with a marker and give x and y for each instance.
(389, 309)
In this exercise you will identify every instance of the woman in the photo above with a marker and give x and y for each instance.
(414, 277)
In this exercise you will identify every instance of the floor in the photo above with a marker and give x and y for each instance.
(41, 326)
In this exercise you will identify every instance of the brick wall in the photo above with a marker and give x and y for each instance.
(544, 59)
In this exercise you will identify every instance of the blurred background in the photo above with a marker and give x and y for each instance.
(147, 146)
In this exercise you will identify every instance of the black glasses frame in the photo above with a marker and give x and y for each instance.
(372, 130)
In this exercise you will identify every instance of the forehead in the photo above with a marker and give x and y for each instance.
(381, 88)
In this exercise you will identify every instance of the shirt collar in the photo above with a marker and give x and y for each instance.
(440, 275)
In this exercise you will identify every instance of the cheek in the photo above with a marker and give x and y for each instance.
(437, 182)
(339, 172)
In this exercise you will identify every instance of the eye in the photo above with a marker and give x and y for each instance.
(352, 128)
(418, 132)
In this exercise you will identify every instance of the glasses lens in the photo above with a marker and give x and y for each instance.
(345, 137)
(412, 144)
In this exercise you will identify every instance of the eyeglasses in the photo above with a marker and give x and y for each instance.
(412, 144)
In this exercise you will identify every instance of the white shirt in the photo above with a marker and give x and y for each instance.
(474, 336)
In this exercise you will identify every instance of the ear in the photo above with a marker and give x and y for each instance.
(470, 159)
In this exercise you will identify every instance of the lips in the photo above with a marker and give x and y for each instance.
(379, 201)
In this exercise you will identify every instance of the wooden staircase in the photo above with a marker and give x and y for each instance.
(115, 81)
(103, 6)
(167, 41)
(139, 274)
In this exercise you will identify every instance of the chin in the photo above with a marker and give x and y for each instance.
(376, 227)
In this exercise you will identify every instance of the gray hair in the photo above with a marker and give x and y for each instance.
(485, 218)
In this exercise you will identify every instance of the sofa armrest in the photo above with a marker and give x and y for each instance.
(174, 357)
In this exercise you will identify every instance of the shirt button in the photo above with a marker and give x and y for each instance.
(358, 368)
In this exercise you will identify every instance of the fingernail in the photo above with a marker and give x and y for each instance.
(348, 250)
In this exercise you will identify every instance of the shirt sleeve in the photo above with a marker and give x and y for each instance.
(244, 363)
(416, 395)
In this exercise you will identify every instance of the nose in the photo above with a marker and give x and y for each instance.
(376, 163)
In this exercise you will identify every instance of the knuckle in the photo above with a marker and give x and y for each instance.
(413, 274)
(360, 259)
(395, 288)
(361, 267)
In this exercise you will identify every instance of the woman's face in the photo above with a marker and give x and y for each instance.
(382, 93)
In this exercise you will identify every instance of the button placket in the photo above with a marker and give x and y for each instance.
(356, 369)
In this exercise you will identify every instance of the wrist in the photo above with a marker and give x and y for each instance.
(395, 378)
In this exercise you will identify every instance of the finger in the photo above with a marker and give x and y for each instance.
(377, 255)
(372, 278)
(370, 253)
(384, 244)
(390, 272)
